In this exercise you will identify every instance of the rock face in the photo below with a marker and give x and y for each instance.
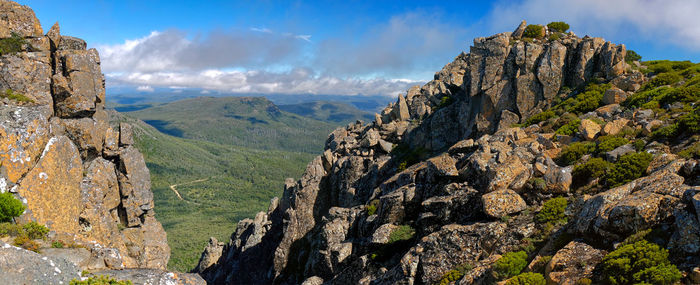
(461, 185)
(59, 155)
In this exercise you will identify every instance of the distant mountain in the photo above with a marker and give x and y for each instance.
(253, 122)
(217, 185)
(368, 103)
(328, 111)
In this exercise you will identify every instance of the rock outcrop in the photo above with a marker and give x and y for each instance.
(75, 173)
(465, 181)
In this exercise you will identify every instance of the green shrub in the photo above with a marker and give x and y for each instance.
(35, 230)
(570, 128)
(690, 122)
(455, 274)
(27, 243)
(665, 132)
(681, 94)
(591, 169)
(552, 211)
(445, 101)
(10, 207)
(628, 168)
(632, 56)
(537, 184)
(12, 44)
(402, 233)
(608, 143)
(554, 36)
(574, 151)
(558, 26)
(57, 244)
(639, 144)
(639, 262)
(527, 278)
(510, 264)
(662, 79)
(546, 115)
(19, 97)
(10, 229)
(540, 265)
(533, 31)
(372, 207)
(693, 151)
(100, 280)
(584, 281)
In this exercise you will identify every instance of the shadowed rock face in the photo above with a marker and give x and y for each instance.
(466, 181)
(58, 154)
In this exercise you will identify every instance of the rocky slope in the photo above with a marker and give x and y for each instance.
(442, 184)
(75, 173)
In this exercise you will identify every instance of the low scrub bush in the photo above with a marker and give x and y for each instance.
(372, 207)
(12, 44)
(561, 27)
(12, 95)
(35, 230)
(608, 143)
(628, 168)
(509, 265)
(10, 229)
(591, 169)
(402, 233)
(570, 128)
(57, 244)
(27, 243)
(100, 280)
(640, 262)
(10, 207)
(574, 151)
(527, 278)
(553, 211)
(546, 115)
(455, 274)
(533, 31)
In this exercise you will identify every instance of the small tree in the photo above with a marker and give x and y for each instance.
(10, 207)
(632, 56)
(641, 262)
(533, 31)
(561, 27)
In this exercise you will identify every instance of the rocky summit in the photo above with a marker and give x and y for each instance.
(77, 175)
(536, 158)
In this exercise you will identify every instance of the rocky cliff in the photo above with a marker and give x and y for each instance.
(75, 173)
(455, 174)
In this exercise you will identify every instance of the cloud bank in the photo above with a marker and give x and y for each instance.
(261, 60)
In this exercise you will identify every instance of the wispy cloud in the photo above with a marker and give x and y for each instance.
(674, 21)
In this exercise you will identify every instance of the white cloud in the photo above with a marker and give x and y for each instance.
(145, 88)
(675, 21)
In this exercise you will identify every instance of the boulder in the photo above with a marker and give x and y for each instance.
(518, 33)
(614, 96)
(614, 127)
(23, 134)
(20, 266)
(616, 153)
(502, 202)
(572, 263)
(152, 276)
(589, 129)
(79, 89)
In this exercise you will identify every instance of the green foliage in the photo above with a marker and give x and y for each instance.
(455, 274)
(27, 243)
(570, 128)
(100, 280)
(372, 207)
(690, 122)
(57, 244)
(591, 169)
(537, 184)
(445, 101)
(693, 151)
(541, 263)
(638, 262)
(35, 230)
(639, 144)
(608, 143)
(10, 229)
(661, 80)
(13, 44)
(554, 36)
(402, 233)
(665, 132)
(546, 115)
(553, 211)
(19, 97)
(561, 27)
(574, 151)
(584, 281)
(510, 264)
(632, 56)
(628, 168)
(10, 207)
(533, 31)
(527, 278)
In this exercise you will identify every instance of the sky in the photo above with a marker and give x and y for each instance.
(336, 47)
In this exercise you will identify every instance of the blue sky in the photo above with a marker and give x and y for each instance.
(336, 47)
